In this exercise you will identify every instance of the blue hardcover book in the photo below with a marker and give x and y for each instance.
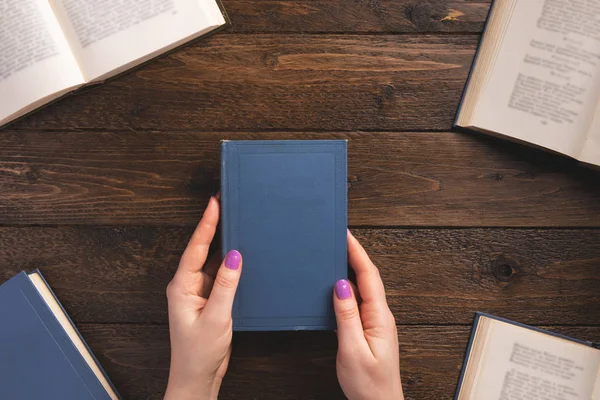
(506, 358)
(284, 207)
(42, 355)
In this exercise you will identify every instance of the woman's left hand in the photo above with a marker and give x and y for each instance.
(200, 324)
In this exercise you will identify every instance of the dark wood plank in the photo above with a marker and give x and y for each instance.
(290, 365)
(343, 16)
(411, 179)
(295, 82)
(432, 276)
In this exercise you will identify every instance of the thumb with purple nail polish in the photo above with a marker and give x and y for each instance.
(200, 299)
(368, 366)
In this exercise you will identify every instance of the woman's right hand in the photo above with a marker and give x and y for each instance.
(368, 363)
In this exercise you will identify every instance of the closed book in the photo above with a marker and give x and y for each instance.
(42, 355)
(284, 207)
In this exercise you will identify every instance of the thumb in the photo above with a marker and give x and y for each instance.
(349, 325)
(220, 301)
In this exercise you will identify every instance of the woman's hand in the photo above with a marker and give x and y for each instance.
(200, 303)
(368, 364)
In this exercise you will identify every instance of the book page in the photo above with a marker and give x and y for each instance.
(522, 364)
(35, 59)
(591, 149)
(110, 35)
(545, 81)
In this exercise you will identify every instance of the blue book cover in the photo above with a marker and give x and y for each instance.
(42, 356)
(284, 207)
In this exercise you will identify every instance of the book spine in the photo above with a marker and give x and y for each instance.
(224, 199)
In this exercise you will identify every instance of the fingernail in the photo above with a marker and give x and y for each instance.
(217, 195)
(232, 260)
(343, 290)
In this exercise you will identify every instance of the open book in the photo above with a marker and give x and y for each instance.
(536, 76)
(510, 361)
(51, 47)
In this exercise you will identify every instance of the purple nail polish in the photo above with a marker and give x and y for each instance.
(343, 290)
(233, 259)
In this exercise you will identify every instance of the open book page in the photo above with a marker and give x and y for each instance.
(596, 392)
(545, 80)
(35, 60)
(520, 364)
(108, 36)
(591, 149)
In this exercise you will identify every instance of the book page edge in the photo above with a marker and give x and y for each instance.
(65, 323)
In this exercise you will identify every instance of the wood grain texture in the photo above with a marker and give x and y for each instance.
(286, 82)
(409, 179)
(287, 365)
(116, 177)
(352, 16)
(432, 276)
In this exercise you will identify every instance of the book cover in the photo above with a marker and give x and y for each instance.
(284, 207)
(38, 359)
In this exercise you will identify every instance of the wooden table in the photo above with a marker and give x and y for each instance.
(102, 190)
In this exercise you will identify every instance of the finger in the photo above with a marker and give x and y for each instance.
(220, 301)
(356, 292)
(207, 285)
(368, 279)
(209, 271)
(195, 254)
(212, 266)
(349, 326)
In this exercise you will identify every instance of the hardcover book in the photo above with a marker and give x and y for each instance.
(284, 207)
(49, 48)
(510, 361)
(42, 355)
(536, 76)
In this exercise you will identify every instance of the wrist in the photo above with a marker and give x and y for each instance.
(199, 391)
(180, 394)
